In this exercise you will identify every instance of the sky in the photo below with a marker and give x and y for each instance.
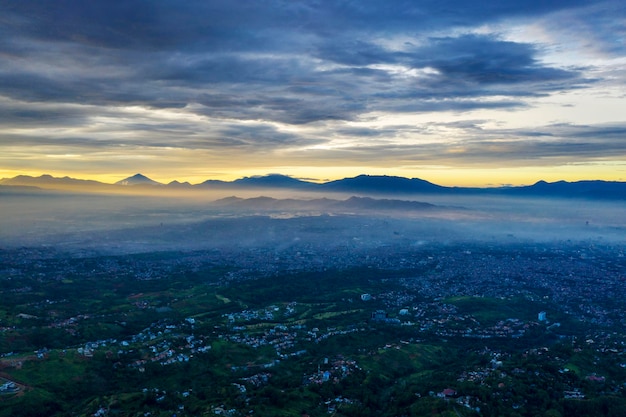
(451, 91)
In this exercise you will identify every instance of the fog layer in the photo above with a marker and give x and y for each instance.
(127, 223)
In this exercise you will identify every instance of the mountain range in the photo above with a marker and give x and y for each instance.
(360, 185)
(324, 204)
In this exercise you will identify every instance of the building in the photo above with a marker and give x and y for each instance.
(379, 315)
(8, 387)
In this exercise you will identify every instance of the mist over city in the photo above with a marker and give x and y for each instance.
(147, 218)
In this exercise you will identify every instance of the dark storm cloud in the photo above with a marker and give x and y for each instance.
(486, 60)
(12, 115)
(468, 59)
(222, 24)
(305, 62)
(132, 24)
(63, 141)
(357, 53)
(165, 53)
(464, 71)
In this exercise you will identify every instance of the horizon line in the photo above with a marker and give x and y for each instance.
(306, 180)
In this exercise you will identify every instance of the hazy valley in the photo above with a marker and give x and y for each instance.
(147, 300)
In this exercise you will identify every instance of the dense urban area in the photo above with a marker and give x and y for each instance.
(447, 329)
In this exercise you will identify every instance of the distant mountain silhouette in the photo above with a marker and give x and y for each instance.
(367, 203)
(274, 181)
(214, 184)
(271, 181)
(179, 184)
(44, 179)
(50, 182)
(578, 189)
(323, 204)
(137, 179)
(382, 184)
(360, 185)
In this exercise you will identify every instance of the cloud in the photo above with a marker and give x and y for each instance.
(160, 54)
(288, 91)
(274, 76)
(357, 53)
(475, 145)
(486, 60)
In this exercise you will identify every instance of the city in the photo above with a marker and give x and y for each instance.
(458, 328)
